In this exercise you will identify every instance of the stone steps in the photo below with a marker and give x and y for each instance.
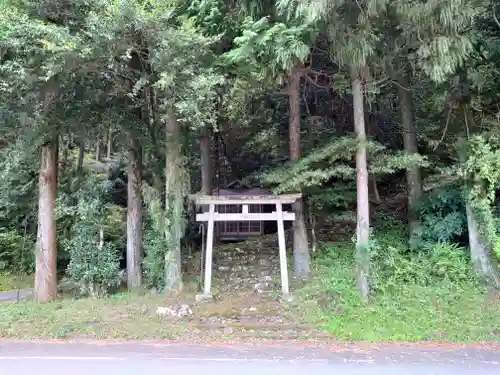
(252, 266)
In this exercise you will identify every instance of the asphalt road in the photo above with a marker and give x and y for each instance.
(136, 359)
(14, 295)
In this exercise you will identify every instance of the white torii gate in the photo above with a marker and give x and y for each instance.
(211, 217)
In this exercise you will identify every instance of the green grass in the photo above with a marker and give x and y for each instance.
(123, 316)
(441, 311)
(128, 316)
(441, 302)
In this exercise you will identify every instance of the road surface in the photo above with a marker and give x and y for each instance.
(14, 295)
(17, 358)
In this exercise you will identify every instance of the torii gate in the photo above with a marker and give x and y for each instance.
(211, 217)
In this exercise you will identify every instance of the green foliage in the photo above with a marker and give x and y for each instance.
(176, 191)
(336, 160)
(164, 231)
(71, 190)
(442, 215)
(154, 258)
(155, 243)
(396, 266)
(94, 263)
(481, 173)
(16, 252)
(115, 226)
(332, 198)
(18, 178)
(11, 281)
(349, 25)
(81, 68)
(414, 298)
(270, 50)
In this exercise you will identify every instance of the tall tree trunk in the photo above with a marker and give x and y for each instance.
(413, 178)
(81, 154)
(301, 256)
(134, 218)
(174, 186)
(480, 246)
(110, 143)
(376, 194)
(98, 148)
(480, 250)
(65, 155)
(46, 248)
(206, 162)
(363, 208)
(314, 128)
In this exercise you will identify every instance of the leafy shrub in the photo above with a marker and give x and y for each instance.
(94, 262)
(155, 242)
(393, 264)
(154, 259)
(18, 182)
(115, 225)
(425, 294)
(16, 252)
(447, 261)
(334, 161)
(442, 214)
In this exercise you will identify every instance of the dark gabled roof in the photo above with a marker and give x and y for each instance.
(238, 187)
(238, 184)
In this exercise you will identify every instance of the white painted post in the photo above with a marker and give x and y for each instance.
(209, 252)
(282, 246)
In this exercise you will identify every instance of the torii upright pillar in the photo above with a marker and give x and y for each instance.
(211, 217)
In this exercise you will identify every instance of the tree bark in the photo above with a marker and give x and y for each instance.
(301, 256)
(363, 208)
(81, 154)
(46, 247)
(480, 246)
(134, 218)
(480, 250)
(413, 178)
(65, 156)
(173, 206)
(376, 194)
(109, 143)
(206, 162)
(98, 149)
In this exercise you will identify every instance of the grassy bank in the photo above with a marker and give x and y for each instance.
(124, 316)
(426, 295)
(441, 309)
(134, 316)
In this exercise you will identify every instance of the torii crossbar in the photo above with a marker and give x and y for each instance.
(211, 217)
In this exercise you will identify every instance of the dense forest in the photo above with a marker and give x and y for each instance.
(383, 113)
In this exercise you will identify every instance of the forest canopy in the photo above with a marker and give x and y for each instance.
(113, 111)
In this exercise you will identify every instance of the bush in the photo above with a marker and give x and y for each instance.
(94, 262)
(427, 294)
(446, 261)
(155, 242)
(442, 214)
(393, 264)
(154, 259)
(16, 252)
